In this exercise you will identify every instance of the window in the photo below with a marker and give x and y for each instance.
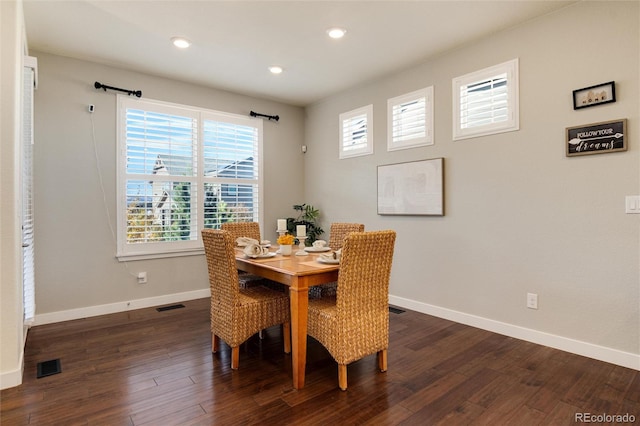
(28, 252)
(485, 102)
(356, 132)
(410, 119)
(182, 169)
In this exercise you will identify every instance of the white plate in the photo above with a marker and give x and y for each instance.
(261, 245)
(328, 261)
(261, 256)
(317, 250)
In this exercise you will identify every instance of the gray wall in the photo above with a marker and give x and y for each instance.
(76, 268)
(520, 216)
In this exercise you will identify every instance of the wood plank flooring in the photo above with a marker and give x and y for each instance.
(146, 367)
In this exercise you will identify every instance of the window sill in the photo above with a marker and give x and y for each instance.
(147, 256)
(485, 132)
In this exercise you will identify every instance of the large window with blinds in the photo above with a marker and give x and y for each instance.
(486, 102)
(182, 169)
(356, 132)
(410, 120)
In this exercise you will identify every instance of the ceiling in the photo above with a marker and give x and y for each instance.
(234, 42)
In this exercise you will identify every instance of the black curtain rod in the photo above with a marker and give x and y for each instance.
(270, 117)
(137, 93)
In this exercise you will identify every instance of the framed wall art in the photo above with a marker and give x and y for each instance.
(594, 95)
(597, 138)
(412, 188)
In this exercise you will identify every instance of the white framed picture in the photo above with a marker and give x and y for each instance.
(412, 188)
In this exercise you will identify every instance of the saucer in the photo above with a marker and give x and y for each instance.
(317, 250)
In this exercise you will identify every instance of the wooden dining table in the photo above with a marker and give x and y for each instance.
(298, 273)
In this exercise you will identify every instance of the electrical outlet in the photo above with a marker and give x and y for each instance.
(142, 277)
(532, 301)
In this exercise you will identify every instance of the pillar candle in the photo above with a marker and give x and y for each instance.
(301, 230)
(282, 224)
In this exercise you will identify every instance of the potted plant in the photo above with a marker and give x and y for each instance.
(307, 216)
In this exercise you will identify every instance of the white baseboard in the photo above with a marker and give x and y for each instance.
(13, 378)
(111, 308)
(602, 353)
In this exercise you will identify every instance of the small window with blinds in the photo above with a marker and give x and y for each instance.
(486, 102)
(356, 132)
(410, 120)
(182, 169)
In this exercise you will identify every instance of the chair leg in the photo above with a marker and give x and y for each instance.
(215, 343)
(342, 376)
(286, 335)
(235, 357)
(382, 360)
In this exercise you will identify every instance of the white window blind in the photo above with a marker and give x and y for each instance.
(28, 241)
(231, 172)
(161, 169)
(183, 169)
(356, 132)
(486, 101)
(410, 120)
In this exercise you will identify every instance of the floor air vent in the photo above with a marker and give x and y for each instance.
(48, 368)
(395, 310)
(170, 307)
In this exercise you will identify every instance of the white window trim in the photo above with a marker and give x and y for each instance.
(513, 121)
(368, 148)
(168, 249)
(427, 139)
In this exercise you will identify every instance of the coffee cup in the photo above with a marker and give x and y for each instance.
(318, 244)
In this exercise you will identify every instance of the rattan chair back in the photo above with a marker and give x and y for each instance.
(221, 263)
(242, 229)
(250, 230)
(337, 234)
(339, 231)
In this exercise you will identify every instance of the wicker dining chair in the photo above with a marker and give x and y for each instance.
(337, 234)
(355, 323)
(237, 314)
(339, 231)
(250, 230)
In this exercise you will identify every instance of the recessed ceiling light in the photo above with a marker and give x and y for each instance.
(336, 32)
(275, 69)
(180, 42)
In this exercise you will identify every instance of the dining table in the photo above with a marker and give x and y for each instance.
(298, 273)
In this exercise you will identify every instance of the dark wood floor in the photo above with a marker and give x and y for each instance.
(147, 367)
